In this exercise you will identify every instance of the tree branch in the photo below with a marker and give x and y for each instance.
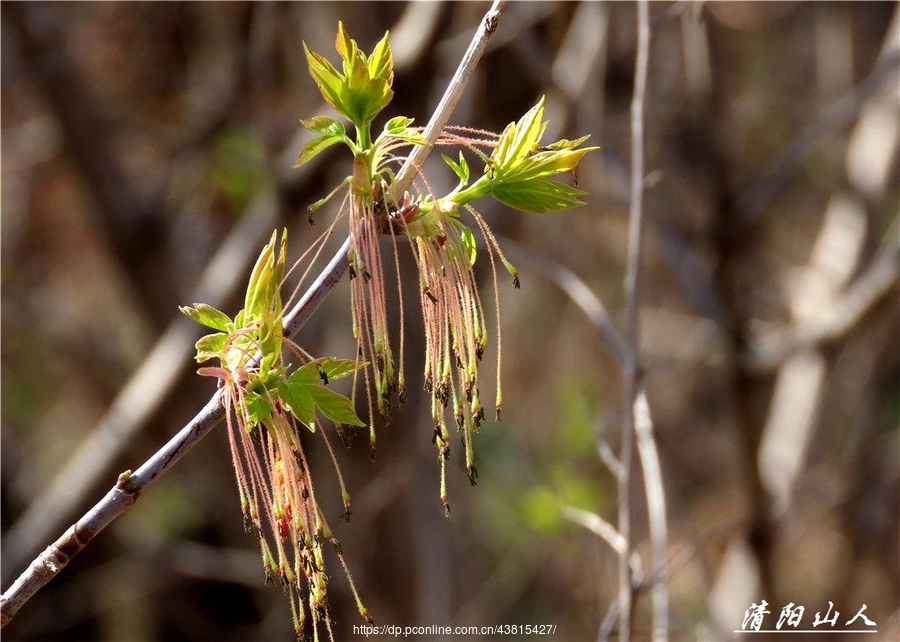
(129, 485)
(630, 373)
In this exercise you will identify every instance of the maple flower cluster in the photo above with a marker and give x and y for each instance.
(271, 387)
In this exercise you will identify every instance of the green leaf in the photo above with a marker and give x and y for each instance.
(210, 346)
(325, 126)
(399, 128)
(334, 406)
(258, 407)
(313, 147)
(303, 391)
(547, 163)
(335, 368)
(207, 315)
(519, 139)
(467, 244)
(364, 87)
(412, 136)
(345, 46)
(567, 144)
(296, 394)
(461, 169)
(257, 287)
(265, 282)
(397, 124)
(538, 195)
(381, 62)
(328, 79)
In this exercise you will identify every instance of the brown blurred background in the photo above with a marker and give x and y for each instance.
(147, 152)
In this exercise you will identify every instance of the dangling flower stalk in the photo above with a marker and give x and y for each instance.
(266, 399)
(516, 172)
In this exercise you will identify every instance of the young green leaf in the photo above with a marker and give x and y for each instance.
(304, 392)
(334, 406)
(518, 139)
(335, 368)
(381, 62)
(364, 87)
(467, 244)
(207, 315)
(327, 78)
(295, 393)
(545, 163)
(210, 346)
(567, 144)
(325, 126)
(538, 195)
(397, 124)
(256, 297)
(313, 147)
(461, 169)
(258, 408)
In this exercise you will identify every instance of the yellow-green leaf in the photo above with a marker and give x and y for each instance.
(336, 407)
(538, 195)
(325, 126)
(207, 315)
(316, 145)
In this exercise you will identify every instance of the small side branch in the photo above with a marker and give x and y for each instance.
(596, 525)
(656, 513)
(630, 374)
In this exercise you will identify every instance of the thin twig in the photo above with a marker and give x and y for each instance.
(130, 485)
(579, 292)
(632, 319)
(596, 525)
(656, 513)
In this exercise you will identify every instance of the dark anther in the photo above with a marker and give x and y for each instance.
(347, 514)
(367, 275)
(446, 508)
(323, 376)
(473, 475)
(352, 271)
(345, 435)
(309, 214)
(516, 281)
